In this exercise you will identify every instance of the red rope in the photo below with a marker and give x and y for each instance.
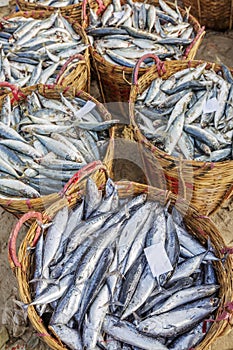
(160, 67)
(79, 56)
(227, 250)
(14, 89)
(14, 234)
(189, 48)
(86, 170)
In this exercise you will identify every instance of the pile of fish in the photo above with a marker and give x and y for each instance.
(44, 142)
(190, 114)
(123, 274)
(125, 33)
(34, 50)
(55, 3)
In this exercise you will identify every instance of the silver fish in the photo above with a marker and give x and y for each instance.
(53, 237)
(25, 58)
(128, 333)
(69, 336)
(173, 322)
(139, 20)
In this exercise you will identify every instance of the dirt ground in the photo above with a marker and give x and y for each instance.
(217, 47)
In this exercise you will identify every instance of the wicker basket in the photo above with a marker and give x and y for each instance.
(205, 185)
(79, 77)
(115, 81)
(73, 12)
(214, 14)
(20, 206)
(196, 224)
(128, 159)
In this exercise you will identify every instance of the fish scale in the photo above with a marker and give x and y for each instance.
(24, 55)
(105, 308)
(201, 97)
(41, 136)
(139, 20)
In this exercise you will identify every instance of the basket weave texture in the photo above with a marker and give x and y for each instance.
(73, 12)
(78, 77)
(205, 185)
(214, 14)
(114, 81)
(19, 206)
(196, 224)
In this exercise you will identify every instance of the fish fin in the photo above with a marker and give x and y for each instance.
(41, 309)
(209, 247)
(29, 248)
(44, 226)
(106, 304)
(117, 303)
(112, 273)
(46, 280)
(23, 306)
(137, 318)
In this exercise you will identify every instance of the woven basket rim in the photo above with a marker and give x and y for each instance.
(82, 69)
(49, 8)
(163, 154)
(116, 67)
(219, 16)
(12, 204)
(217, 329)
(207, 184)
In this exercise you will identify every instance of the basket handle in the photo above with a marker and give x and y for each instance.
(12, 250)
(160, 66)
(79, 56)
(85, 171)
(84, 11)
(101, 8)
(14, 89)
(189, 48)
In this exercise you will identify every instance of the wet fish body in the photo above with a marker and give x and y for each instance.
(41, 136)
(34, 50)
(146, 22)
(94, 301)
(201, 96)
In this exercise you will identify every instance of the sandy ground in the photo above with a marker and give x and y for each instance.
(216, 47)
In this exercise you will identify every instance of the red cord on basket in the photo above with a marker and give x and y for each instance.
(77, 55)
(228, 250)
(87, 169)
(84, 10)
(160, 67)
(14, 234)
(187, 51)
(14, 89)
(101, 7)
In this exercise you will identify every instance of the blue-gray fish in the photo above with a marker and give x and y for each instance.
(53, 236)
(126, 332)
(184, 296)
(69, 336)
(174, 322)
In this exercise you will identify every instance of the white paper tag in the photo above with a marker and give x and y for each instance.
(211, 105)
(118, 14)
(157, 259)
(85, 109)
